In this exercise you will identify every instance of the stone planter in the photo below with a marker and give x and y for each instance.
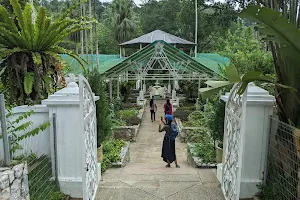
(124, 155)
(196, 161)
(128, 133)
(219, 154)
(100, 154)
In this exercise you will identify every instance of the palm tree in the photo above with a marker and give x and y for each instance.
(124, 25)
(29, 50)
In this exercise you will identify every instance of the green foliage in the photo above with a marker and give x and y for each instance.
(126, 89)
(197, 135)
(195, 119)
(111, 153)
(28, 82)
(215, 116)
(245, 50)
(122, 19)
(282, 33)
(126, 114)
(205, 150)
(104, 117)
(31, 45)
(19, 130)
(106, 40)
(57, 196)
(189, 89)
(41, 183)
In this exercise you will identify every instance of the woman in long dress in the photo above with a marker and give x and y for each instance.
(168, 149)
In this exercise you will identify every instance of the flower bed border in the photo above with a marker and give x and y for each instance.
(196, 161)
(124, 155)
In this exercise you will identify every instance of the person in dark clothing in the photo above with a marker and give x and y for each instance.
(168, 108)
(153, 109)
(168, 149)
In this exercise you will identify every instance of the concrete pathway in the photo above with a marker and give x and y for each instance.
(146, 176)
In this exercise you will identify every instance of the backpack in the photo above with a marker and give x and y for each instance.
(174, 132)
(168, 109)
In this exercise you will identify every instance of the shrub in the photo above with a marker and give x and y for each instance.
(126, 88)
(215, 116)
(198, 135)
(103, 112)
(133, 121)
(205, 150)
(127, 114)
(111, 153)
(182, 114)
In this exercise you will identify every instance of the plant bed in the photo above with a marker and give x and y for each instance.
(124, 156)
(133, 120)
(200, 158)
(114, 153)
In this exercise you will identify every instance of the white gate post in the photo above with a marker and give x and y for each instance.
(254, 138)
(66, 105)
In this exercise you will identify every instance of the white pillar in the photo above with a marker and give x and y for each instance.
(254, 138)
(66, 106)
(118, 88)
(141, 94)
(110, 90)
(169, 88)
(174, 85)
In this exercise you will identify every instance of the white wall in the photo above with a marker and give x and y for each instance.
(38, 144)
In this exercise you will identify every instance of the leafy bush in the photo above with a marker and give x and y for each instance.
(127, 114)
(111, 153)
(103, 112)
(126, 88)
(189, 89)
(198, 135)
(182, 114)
(205, 150)
(215, 116)
(133, 121)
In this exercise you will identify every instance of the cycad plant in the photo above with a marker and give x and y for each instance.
(29, 49)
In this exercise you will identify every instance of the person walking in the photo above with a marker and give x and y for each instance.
(153, 109)
(168, 148)
(168, 108)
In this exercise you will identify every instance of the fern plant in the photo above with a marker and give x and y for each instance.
(29, 49)
(19, 131)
